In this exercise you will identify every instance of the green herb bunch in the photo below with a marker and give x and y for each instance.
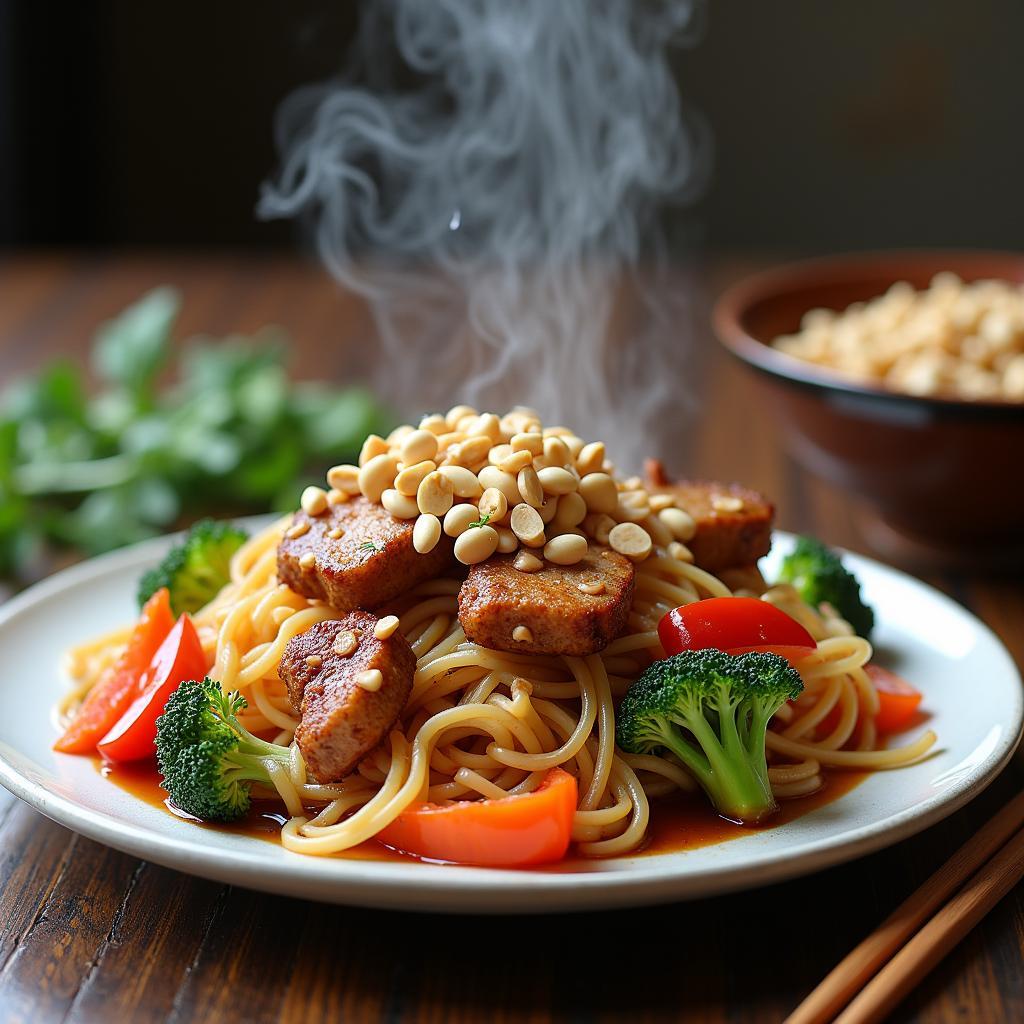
(229, 433)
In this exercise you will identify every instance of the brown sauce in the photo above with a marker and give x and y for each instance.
(264, 820)
(684, 822)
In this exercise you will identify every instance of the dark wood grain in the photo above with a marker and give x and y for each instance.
(91, 935)
(167, 914)
(58, 950)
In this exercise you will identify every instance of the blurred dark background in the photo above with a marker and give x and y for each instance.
(837, 125)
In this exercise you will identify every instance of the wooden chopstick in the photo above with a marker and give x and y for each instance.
(938, 936)
(854, 972)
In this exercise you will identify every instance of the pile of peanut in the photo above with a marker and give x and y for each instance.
(954, 339)
(507, 484)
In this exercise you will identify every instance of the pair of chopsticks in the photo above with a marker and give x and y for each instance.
(923, 929)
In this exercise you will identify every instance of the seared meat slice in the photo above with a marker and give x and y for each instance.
(342, 720)
(734, 524)
(370, 562)
(546, 612)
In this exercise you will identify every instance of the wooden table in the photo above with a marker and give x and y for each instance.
(88, 934)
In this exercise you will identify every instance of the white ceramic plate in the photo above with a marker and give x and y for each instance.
(972, 690)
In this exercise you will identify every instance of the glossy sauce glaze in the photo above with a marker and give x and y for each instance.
(685, 822)
(264, 820)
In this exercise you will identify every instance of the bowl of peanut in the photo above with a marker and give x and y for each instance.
(899, 377)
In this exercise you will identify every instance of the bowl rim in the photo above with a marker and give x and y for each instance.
(730, 307)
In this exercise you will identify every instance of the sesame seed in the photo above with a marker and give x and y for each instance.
(307, 561)
(631, 540)
(344, 479)
(525, 562)
(314, 661)
(345, 643)
(522, 635)
(726, 503)
(372, 679)
(314, 501)
(385, 627)
(681, 524)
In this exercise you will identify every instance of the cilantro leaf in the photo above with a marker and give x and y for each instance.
(132, 348)
(231, 433)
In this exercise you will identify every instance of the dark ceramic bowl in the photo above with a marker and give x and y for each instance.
(946, 473)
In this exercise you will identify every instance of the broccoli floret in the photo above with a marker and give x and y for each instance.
(195, 570)
(819, 575)
(207, 758)
(712, 710)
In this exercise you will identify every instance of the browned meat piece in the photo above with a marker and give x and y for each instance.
(656, 475)
(497, 600)
(342, 721)
(346, 571)
(734, 524)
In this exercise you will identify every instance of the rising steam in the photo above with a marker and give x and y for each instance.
(487, 184)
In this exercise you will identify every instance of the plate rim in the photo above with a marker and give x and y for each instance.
(424, 887)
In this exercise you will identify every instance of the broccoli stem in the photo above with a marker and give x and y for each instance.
(248, 767)
(252, 750)
(760, 716)
(248, 761)
(253, 761)
(730, 769)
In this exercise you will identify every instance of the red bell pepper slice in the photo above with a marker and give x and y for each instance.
(527, 828)
(735, 625)
(108, 700)
(180, 657)
(897, 699)
(793, 653)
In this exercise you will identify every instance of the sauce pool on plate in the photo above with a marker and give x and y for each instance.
(678, 823)
(687, 822)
